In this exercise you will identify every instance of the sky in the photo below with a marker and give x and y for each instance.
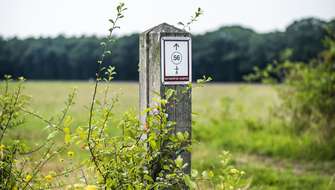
(26, 18)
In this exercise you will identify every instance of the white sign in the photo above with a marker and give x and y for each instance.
(176, 60)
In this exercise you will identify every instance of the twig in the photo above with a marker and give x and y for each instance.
(11, 113)
(90, 128)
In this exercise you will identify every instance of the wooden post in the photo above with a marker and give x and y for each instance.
(150, 67)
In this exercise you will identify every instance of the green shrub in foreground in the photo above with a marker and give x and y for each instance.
(138, 158)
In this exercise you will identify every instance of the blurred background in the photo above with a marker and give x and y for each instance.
(59, 40)
(55, 45)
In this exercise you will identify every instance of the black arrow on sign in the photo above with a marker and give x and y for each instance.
(176, 69)
(176, 46)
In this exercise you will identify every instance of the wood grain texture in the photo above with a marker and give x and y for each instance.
(178, 110)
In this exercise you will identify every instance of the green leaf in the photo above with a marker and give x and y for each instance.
(180, 23)
(179, 161)
(180, 136)
(148, 178)
(52, 135)
(210, 174)
(153, 144)
(186, 135)
(169, 93)
(112, 21)
(67, 121)
(166, 167)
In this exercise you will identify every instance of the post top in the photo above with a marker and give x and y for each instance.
(165, 28)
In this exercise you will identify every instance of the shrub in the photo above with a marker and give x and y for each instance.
(22, 163)
(307, 92)
(136, 158)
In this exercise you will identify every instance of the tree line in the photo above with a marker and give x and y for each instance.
(226, 54)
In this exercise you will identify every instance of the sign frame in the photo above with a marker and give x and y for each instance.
(176, 80)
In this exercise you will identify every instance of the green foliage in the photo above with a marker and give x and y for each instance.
(226, 54)
(224, 177)
(139, 157)
(284, 160)
(11, 101)
(22, 163)
(261, 145)
(307, 93)
(305, 37)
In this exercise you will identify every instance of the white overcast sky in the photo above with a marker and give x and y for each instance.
(76, 17)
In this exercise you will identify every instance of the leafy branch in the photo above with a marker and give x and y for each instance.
(194, 18)
(99, 72)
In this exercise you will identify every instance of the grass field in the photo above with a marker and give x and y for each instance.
(233, 117)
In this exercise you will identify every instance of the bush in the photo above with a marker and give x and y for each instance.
(307, 93)
(22, 164)
(136, 158)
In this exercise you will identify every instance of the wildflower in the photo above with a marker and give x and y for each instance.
(48, 178)
(66, 130)
(28, 178)
(210, 174)
(2, 147)
(78, 186)
(70, 153)
(91, 187)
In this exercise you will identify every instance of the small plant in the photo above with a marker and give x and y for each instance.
(22, 163)
(223, 178)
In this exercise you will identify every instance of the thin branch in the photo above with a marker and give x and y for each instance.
(41, 118)
(90, 128)
(106, 119)
(42, 163)
(11, 113)
(67, 108)
(84, 176)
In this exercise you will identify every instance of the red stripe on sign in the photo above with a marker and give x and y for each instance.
(179, 78)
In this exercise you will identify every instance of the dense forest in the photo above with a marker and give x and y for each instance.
(226, 54)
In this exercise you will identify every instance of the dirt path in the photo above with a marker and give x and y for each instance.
(326, 168)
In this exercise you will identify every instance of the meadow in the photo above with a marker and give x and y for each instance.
(234, 117)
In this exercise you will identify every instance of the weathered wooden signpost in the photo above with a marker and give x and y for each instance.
(165, 63)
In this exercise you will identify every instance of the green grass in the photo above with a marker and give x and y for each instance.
(231, 117)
